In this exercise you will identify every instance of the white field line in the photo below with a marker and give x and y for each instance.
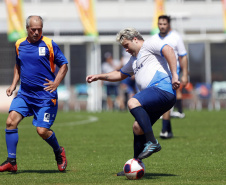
(90, 119)
(86, 120)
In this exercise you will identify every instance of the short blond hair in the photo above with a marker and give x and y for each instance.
(129, 34)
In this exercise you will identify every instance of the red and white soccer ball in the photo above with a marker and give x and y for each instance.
(134, 169)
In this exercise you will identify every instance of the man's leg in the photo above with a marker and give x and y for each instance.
(166, 132)
(138, 143)
(143, 123)
(179, 105)
(143, 120)
(49, 136)
(11, 141)
(179, 101)
(43, 120)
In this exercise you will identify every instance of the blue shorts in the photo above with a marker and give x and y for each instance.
(131, 85)
(112, 90)
(155, 101)
(43, 116)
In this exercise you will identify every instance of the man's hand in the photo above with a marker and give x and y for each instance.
(91, 78)
(175, 82)
(51, 86)
(184, 80)
(10, 90)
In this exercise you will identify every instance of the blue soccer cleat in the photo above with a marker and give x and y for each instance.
(149, 149)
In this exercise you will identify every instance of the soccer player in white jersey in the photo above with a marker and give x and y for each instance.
(156, 83)
(172, 38)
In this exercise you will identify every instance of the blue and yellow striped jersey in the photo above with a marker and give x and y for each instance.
(37, 63)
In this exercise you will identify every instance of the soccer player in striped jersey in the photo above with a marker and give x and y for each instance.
(157, 85)
(36, 57)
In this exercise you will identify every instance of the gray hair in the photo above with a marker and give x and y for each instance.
(129, 34)
(28, 20)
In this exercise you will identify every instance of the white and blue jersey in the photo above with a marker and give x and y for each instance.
(150, 67)
(174, 40)
(153, 79)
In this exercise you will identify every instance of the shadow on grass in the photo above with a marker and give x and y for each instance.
(156, 175)
(37, 171)
(174, 137)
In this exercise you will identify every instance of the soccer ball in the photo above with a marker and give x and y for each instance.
(134, 169)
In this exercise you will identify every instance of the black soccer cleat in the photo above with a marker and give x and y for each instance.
(149, 149)
(121, 173)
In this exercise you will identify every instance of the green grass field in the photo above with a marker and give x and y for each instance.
(98, 144)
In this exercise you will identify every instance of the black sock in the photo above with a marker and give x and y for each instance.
(58, 151)
(12, 160)
(179, 106)
(166, 125)
(142, 117)
(138, 144)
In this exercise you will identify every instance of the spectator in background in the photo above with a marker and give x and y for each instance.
(111, 87)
